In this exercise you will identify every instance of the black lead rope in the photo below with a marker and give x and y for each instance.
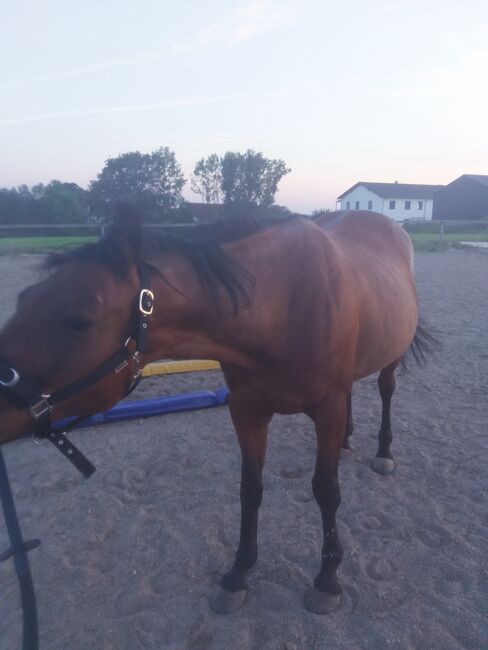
(18, 550)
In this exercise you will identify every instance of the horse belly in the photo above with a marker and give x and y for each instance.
(385, 332)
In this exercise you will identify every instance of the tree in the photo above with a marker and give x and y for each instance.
(250, 178)
(155, 180)
(207, 179)
(62, 202)
(17, 206)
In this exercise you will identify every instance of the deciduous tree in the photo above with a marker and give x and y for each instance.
(251, 178)
(155, 180)
(207, 179)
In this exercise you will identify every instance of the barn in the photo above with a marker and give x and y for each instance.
(399, 201)
(465, 198)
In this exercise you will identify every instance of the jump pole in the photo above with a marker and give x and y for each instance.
(146, 408)
(173, 367)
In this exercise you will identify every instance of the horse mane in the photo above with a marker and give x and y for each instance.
(201, 245)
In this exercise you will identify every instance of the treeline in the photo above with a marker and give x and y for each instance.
(155, 180)
(56, 202)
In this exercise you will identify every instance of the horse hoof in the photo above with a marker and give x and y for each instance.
(320, 602)
(225, 602)
(383, 465)
(345, 453)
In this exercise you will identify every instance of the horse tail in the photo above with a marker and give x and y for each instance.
(423, 345)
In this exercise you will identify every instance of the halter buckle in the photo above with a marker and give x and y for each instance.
(146, 302)
(41, 408)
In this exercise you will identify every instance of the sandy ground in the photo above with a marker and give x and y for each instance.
(129, 558)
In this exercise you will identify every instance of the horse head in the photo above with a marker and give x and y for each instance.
(70, 323)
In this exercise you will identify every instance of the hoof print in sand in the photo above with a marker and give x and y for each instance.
(379, 569)
(293, 471)
(433, 536)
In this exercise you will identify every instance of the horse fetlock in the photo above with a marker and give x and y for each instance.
(246, 558)
(234, 580)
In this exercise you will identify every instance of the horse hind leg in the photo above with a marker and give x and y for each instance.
(383, 463)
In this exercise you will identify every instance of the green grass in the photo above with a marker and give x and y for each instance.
(39, 244)
(430, 242)
(450, 236)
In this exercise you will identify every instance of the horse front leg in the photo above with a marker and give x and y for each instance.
(251, 428)
(329, 418)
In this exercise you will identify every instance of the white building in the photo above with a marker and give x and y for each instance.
(399, 201)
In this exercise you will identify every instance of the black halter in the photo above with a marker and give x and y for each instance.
(26, 394)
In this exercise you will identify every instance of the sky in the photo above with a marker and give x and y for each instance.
(344, 91)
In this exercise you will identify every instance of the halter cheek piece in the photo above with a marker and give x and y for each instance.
(26, 394)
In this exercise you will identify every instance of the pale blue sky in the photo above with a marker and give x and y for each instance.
(376, 90)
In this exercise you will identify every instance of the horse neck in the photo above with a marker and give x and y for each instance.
(187, 323)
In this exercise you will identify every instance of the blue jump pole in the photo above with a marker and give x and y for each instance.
(146, 408)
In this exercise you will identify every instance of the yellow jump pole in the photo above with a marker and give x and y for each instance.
(172, 367)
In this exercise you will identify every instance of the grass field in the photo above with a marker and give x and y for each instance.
(469, 236)
(430, 242)
(35, 244)
(422, 241)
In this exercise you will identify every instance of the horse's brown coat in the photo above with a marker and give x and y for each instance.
(334, 300)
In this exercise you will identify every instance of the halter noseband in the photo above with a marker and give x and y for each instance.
(26, 394)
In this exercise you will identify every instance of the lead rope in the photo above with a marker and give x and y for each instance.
(18, 550)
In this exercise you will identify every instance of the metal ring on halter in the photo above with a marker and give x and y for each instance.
(36, 440)
(11, 382)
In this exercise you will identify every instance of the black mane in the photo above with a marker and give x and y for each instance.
(200, 245)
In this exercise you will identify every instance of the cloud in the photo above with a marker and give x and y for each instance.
(245, 22)
(99, 66)
(182, 102)
(258, 17)
(392, 6)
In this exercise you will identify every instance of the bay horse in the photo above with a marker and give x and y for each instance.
(295, 311)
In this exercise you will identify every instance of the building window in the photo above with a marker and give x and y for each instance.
(408, 205)
(392, 205)
(357, 205)
(420, 205)
(370, 205)
(348, 205)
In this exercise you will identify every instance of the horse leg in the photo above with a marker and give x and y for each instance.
(346, 448)
(383, 463)
(252, 434)
(329, 419)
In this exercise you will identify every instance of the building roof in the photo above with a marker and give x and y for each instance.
(397, 190)
(481, 178)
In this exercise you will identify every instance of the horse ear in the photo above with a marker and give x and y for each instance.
(126, 231)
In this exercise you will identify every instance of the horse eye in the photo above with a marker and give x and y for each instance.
(78, 323)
